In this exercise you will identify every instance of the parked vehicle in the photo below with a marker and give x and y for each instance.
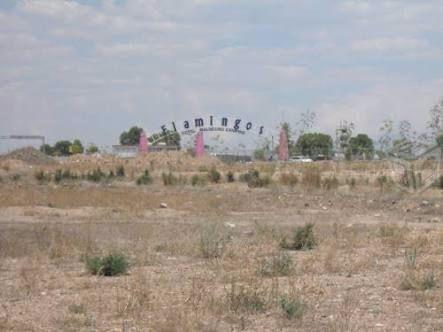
(300, 159)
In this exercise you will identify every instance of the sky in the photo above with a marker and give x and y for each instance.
(91, 69)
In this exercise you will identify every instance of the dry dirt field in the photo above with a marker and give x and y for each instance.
(217, 256)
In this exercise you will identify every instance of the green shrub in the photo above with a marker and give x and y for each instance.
(111, 265)
(198, 180)
(230, 177)
(289, 179)
(302, 239)
(292, 307)
(144, 179)
(214, 176)
(384, 182)
(351, 182)
(253, 179)
(120, 171)
(213, 240)
(278, 265)
(96, 175)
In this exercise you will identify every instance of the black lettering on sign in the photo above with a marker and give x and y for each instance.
(249, 126)
(261, 130)
(211, 120)
(186, 124)
(199, 122)
(237, 124)
(224, 122)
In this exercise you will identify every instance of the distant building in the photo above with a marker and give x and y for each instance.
(131, 151)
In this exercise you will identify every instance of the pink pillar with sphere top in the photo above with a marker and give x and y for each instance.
(143, 146)
(199, 145)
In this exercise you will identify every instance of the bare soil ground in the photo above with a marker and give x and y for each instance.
(212, 260)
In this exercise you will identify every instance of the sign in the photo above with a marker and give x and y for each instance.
(214, 124)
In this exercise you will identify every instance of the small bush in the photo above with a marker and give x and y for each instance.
(230, 177)
(246, 299)
(303, 239)
(16, 177)
(414, 281)
(198, 180)
(120, 171)
(330, 183)
(278, 265)
(144, 179)
(42, 177)
(384, 182)
(213, 240)
(351, 182)
(214, 175)
(253, 179)
(170, 179)
(58, 176)
(289, 179)
(111, 265)
(292, 308)
(311, 177)
(96, 175)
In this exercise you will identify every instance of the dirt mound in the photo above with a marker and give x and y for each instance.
(29, 155)
(172, 160)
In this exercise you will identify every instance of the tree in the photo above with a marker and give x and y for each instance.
(306, 122)
(76, 147)
(315, 144)
(131, 137)
(92, 148)
(435, 124)
(47, 149)
(439, 140)
(361, 146)
(291, 144)
(61, 148)
(386, 135)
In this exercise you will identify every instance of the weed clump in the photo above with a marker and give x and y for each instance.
(311, 177)
(279, 265)
(289, 179)
(291, 307)
(42, 177)
(330, 183)
(120, 171)
(246, 299)
(108, 266)
(213, 240)
(198, 180)
(230, 177)
(214, 176)
(254, 180)
(302, 239)
(96, 175)
(414, 281)
(169, 179)
(144, 179)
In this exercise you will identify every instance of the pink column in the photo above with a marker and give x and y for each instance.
(199, 145)
(283, 153)
(143, 143)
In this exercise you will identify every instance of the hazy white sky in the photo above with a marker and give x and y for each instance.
(91, 69)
